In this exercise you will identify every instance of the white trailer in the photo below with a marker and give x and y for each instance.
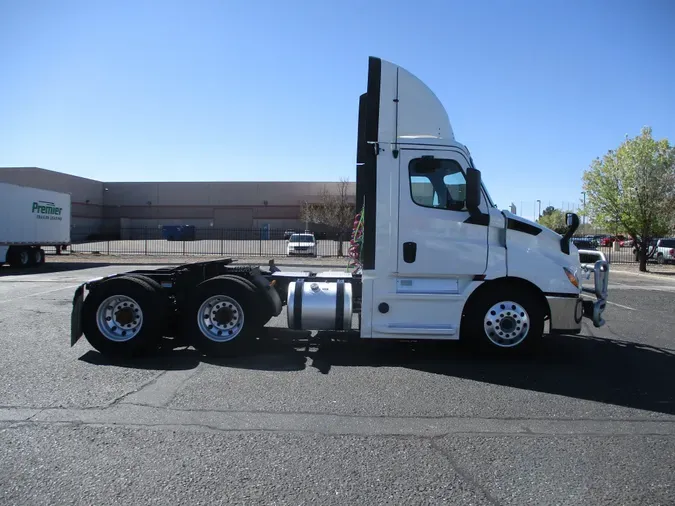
(31, 219)
(438, 259)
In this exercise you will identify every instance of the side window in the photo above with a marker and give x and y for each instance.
(437, 183)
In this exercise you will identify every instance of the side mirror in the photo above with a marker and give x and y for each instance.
(473, 189)
(572, 221)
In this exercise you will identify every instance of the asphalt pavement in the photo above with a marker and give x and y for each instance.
(590, 419)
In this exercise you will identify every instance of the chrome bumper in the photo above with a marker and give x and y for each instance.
(593, 309)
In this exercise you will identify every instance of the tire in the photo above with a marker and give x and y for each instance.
(485, 321)
(133, 337)
(660, 260)
(38, 256)
(266, 307)
(233, 299)
(154, 284)
(20, 257)
(161, 295)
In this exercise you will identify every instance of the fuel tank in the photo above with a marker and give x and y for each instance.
(319, 305)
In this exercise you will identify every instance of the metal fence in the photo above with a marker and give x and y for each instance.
(201, 242)
(617, 250)
(624, 255)
(238, 242)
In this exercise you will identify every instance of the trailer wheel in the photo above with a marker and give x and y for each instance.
(222, 319)
(38, 256)
(19, 257)
(505, 323)
(123, 316)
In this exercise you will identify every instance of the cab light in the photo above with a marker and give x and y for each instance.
(570, 275)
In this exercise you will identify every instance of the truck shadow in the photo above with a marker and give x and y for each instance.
(55, 266)
(48, 268)
(609, 371)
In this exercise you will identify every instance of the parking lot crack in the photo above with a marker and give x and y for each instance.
(462, 472)
(147, 384)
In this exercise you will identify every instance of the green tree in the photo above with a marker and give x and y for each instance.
(554, 219)
(548, 211)
(633, 188)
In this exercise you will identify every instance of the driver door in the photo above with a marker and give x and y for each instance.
(438, 237)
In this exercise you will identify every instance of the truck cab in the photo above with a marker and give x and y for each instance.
(439, 259)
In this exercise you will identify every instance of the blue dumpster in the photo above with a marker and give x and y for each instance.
(179, 232)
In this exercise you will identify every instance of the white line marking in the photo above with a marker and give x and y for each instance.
(38, 293)
(625, 307)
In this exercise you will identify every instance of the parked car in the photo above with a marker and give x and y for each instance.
(584, 243)
(605, 240)
(664, 251)
(661, 246)
(288, 233)
(301, 244)
(609, 240)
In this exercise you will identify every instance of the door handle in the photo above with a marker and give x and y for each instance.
(409, 252)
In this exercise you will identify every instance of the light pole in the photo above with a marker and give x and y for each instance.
(584, 194)
(539, 202)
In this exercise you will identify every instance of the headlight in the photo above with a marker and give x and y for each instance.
(570, 275)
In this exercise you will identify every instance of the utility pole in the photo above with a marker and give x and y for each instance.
(584, 194)
(539, 202)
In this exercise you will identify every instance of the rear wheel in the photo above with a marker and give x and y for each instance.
(20, 257)
(123, 316)
(507, 323)
(660, 259)
(223, 319)
(38, 256)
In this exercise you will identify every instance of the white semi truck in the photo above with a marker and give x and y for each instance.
(31, 219)
(438, 260)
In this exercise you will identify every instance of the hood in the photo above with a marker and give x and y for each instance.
(528, 224)
(546, 240)
(301, 244)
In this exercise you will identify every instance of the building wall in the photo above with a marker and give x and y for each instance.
(106, 208)
(217, 205)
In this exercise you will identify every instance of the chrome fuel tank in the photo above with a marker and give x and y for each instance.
(319, 305)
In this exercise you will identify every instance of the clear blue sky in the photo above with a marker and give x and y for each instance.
(268, 90)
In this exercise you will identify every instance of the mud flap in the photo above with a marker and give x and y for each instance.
(76, 316)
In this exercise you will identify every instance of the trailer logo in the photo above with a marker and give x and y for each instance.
(47, 210)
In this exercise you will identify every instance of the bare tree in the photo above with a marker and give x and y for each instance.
(335, 209)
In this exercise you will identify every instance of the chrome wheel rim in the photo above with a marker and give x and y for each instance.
(506, 324)
(220, 318)
(119, 318)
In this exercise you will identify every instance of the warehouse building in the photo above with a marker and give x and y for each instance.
(129, 209)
